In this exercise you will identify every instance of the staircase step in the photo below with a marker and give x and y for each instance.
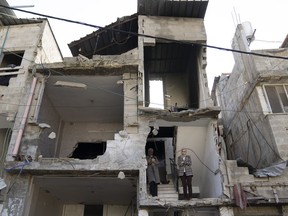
(168, 195)
(167, 192)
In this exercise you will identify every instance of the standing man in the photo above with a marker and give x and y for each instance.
(152, 172)
(185, 173)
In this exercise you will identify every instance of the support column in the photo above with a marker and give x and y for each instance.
(226, 211)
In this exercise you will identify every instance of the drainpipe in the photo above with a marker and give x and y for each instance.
(1, 51)
(24, 119)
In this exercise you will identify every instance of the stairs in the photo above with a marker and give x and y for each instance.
(167, 192)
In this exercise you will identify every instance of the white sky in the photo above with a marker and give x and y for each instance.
(269, 18)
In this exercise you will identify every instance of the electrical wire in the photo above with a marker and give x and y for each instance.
(77, 22)
(144, 35)
(267, 41)
(205, 45)
(26, 162)
(249, 142)
(257, 141)
(117, 93)
(118, 30)
(266, 141)
(103, 89)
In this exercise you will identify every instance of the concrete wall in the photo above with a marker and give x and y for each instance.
(177, 87)
(131, 101)
(194, 139)
(48, 115)
(73, 210)
(3, 146)
(46, 205)
(204, 95)
(248, 133)
(240, 80)
(26, 38)
(278, 124)
(271, 66)
(258, 211)
(211, 180)
(108, 210)
(2, 139)
(15, 194)
(74, 133)
(48, 50)
(115, 210)
(19, 38)
(168, 27)
(249, 136)
(23, 38)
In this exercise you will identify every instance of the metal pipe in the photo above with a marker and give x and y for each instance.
(24, 119)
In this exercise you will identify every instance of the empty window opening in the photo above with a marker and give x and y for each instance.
(11, 60)
(178, 67)
(156, 94)
(88, 150)
(10, 63)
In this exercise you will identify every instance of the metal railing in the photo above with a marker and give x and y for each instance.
(174, 172)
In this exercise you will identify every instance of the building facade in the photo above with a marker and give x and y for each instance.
(253, 101)
(75, 131)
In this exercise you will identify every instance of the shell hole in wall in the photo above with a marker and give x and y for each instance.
(88, 150)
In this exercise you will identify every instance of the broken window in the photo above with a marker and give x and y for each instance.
(277, 98)
(10, 63)
(88, 150)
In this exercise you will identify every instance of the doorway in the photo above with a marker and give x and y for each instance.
(159, 152)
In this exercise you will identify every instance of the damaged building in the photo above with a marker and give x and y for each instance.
(75, 131)
(253, 100)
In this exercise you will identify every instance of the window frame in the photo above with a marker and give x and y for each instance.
(4, 71)
(268, 102)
